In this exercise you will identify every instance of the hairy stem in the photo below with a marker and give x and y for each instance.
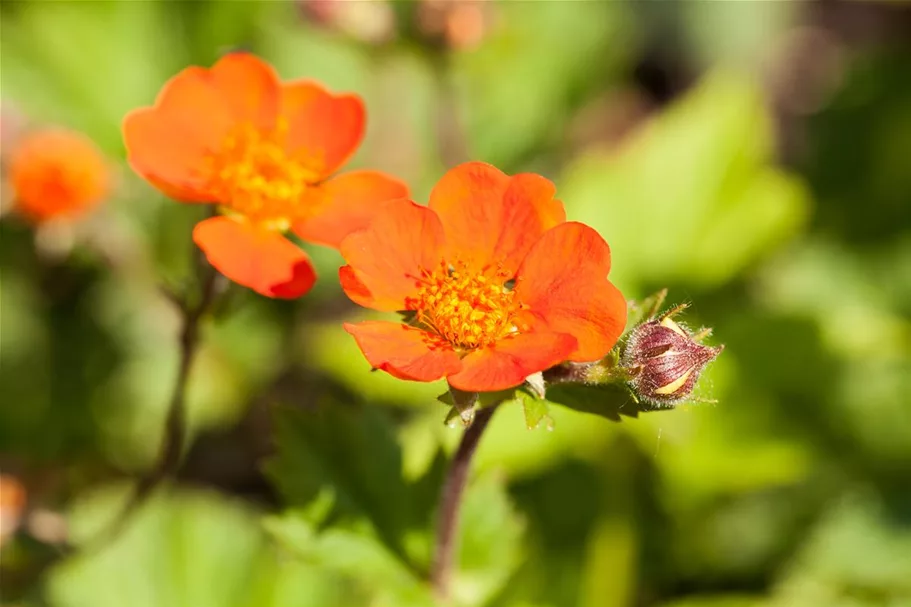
(451, 501)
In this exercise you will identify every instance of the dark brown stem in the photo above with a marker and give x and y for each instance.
(451, 501)
(175, 429)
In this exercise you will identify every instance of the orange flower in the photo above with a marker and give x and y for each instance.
(263, 150)
(497, 285)
(57, 173)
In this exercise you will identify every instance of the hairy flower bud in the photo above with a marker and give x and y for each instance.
(664, 360)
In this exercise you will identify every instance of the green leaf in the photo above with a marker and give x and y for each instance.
(85, 65)
(719, 601)
(536, 411)
(185, 548)
(490, 541)
(859, 555)
(693, 197)
(349, 451)
(607, 400)
(339, 467)
(533, 69)
(355, 553)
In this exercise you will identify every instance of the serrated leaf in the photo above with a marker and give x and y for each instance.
(536, 411)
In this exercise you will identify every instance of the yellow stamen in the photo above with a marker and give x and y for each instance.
(468, 309)
(253, 174)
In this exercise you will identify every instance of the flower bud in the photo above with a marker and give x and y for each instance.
(664, 360)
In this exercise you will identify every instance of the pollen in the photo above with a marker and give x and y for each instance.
(253, 174)
(467, 309)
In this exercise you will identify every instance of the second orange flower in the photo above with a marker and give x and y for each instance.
(495, 284)
(264, 151)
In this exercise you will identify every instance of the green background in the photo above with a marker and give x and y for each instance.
(753, 157)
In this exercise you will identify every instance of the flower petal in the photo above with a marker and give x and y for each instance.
(195, 107)
(563, 282)
(509, 361)
(345, 204)
(490, 217)
(168, 143)
(250, 88)
(173, 163)
(387, 259)
(323, 129)
(251, 256)
(402, 351)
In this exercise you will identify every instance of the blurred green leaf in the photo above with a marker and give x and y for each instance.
(859, 556)
(644, 309)
(186, 549)
(300, 50)
(735, 33)
(86, 64)
(719, 601)
(345, 456)
(350, 451)
(340, 469)
(357, 554)
(339, 356)
(490, 536)
(857, 147)
(612, 547)
(534, 68)
(692, 197)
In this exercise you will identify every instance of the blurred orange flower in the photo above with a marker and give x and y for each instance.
(57, 173)
(496, 283)
(12, 505)
(236, 136)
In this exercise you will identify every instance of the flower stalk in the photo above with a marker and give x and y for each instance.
(175, 429)
(451, 501)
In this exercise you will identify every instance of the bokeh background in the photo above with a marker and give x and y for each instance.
(751, 156)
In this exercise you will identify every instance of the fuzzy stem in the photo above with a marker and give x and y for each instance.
(451, 501)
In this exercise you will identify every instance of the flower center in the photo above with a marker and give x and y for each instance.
(253, 174)
(467, 309)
